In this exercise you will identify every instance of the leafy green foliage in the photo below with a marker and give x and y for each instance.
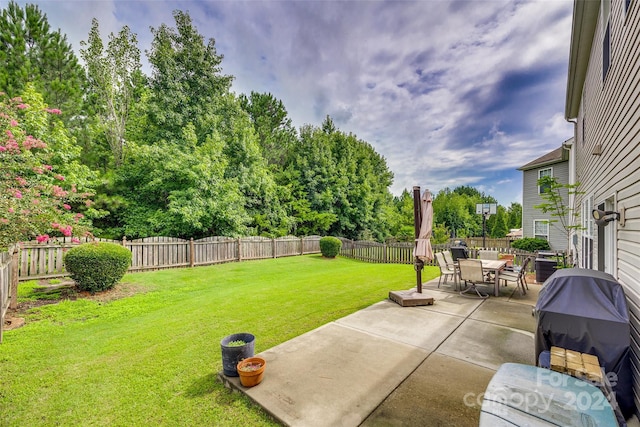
(168, 190)
(556, 196)
(344, 181)
(113, 75)
(497, 224)
(531, 244)
(97, 266)
(330, 246)
(514, 213)
(30, 52)
(276, 135)
(186, 84)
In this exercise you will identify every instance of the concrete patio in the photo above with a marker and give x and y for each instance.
(389, 365)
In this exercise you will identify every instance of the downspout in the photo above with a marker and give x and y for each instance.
(573, 238)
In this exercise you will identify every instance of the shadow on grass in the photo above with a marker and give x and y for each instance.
(202, 386)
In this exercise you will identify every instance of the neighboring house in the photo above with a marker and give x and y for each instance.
(535, 223)
(603, 101)
(515, 234)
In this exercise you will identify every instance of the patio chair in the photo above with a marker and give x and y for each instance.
(450, 262)
(446, 270)
(472, 274)
(448, 258)
(492, 255)
(517, 277)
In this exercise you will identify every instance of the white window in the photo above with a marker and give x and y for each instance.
(541, 229)
(541, 174)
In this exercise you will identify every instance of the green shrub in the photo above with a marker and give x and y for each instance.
(330, 246)
(531, 244)
(97, 266)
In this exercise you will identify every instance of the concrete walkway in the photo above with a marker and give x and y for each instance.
(389, 365)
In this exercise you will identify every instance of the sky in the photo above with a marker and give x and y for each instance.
(451, 93)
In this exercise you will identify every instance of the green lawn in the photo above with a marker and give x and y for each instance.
(152, 358)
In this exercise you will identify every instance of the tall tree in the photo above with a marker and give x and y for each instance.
(514, 216)
(177, 190)
(31, 52)
(113, 78)
(498, 228)
(189, 93)
(276, 135)
(186, 83)
(344, 179)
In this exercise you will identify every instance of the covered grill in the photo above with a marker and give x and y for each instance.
(586, 311)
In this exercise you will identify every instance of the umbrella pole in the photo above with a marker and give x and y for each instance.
(417, 220)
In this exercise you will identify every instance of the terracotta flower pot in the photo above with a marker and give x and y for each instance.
(251, 371)
(508, 258)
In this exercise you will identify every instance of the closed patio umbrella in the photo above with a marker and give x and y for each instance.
(423, 250)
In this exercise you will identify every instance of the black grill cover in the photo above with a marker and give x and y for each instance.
(458, 252)
(586, 310)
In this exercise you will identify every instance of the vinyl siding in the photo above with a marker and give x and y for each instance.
(531, 198)
(612, 112)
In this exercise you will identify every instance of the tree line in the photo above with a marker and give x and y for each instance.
(177, 153)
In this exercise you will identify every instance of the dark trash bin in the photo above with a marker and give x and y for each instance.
(586, 311)
(545, 268)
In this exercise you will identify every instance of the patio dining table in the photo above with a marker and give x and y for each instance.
(494, 266)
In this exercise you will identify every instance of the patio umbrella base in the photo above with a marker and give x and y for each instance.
(410, 298)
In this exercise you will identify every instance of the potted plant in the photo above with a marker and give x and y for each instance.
(509, 258)
(236, 347)
(251, 371)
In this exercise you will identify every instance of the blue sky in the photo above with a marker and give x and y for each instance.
(449, 92)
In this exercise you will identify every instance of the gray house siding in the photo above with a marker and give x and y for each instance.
(607, 151)
(531, 197)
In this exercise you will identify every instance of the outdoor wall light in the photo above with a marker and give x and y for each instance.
(603, 218)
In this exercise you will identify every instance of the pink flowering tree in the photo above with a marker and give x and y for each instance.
(36, 199)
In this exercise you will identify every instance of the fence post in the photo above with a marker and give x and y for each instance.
(385, 254)
(13, 285)
(239, 249)
(273, 247)
(302, 246)
(191, 253)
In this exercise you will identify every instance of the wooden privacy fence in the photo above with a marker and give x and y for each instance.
(32, 260)
(391, 253)
(7, 277)
(402, 252)
(40, 261)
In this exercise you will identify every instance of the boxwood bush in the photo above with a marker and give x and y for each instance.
(97, 266)
(330, 246)
(531, 244)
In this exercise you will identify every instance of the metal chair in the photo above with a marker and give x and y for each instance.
(448, 258)
(472, 274)
(446, 270)
(517, 277)
(485, 254)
